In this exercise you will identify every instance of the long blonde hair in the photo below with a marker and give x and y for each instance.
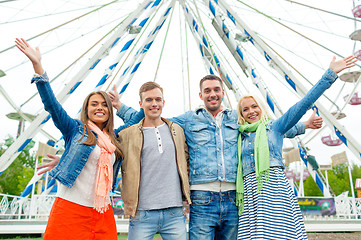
(264, 113)
(108, 125)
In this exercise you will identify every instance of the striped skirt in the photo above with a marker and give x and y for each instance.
(272, 214)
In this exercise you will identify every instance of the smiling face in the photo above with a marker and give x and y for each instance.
(98, 111)
(212, 94)
(250, 110)
(152, 102)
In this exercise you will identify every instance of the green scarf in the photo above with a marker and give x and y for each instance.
(261, 158)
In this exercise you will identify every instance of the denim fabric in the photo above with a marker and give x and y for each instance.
(213, 215)
(169, 223)
(282, 127)
(212, 150)
(75, 154)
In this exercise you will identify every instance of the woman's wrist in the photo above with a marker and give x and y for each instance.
(38, 68)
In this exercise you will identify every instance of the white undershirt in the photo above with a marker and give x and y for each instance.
(83, 190)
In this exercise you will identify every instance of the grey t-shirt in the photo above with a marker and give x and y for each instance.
(160, 185)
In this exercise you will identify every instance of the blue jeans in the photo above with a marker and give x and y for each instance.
(213, 215)
(169, 223)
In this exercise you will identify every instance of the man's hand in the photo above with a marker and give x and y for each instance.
(49, 166)
(314, 122)
(114, 97)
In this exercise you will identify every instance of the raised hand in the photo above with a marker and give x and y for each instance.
(342, 64)
(114, 97)
(314, 122)
(49, 166)
(34, 55)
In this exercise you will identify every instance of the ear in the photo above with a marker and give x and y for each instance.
(140, 104)
(200, 95)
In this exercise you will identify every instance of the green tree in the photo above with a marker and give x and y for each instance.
(311, 188)
(15, 178)
(338, 179)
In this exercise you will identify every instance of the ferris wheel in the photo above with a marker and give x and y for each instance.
(277, 49)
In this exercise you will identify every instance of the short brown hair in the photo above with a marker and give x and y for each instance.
(149, 86)
(210, 77)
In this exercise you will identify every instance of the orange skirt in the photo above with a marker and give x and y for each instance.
(70, 221)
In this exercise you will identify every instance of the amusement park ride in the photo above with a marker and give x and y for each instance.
(241, 43)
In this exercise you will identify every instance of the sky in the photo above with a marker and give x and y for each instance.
(174, 60)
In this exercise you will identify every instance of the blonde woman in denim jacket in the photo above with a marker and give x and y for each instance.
(268, 208)
(82, 208)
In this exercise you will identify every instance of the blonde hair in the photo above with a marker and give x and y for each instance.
(261, 105)
(108, 125)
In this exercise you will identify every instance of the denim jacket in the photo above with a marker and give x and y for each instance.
(76, 154)
(282, 127)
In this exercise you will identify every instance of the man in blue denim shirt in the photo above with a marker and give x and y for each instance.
(211, 133)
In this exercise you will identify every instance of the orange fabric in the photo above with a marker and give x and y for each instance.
(105, 169)
(71, 221)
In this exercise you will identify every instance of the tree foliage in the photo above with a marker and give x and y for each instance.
(15, 178)
(338, 179)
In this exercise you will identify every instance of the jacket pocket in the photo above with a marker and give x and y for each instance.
(231, 132)
(200, 133)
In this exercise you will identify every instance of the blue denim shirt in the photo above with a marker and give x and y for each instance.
(75, 154)
(282, 127)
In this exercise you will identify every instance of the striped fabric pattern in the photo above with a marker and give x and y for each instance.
(273, 214)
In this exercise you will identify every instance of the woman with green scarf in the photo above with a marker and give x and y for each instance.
(268, 208)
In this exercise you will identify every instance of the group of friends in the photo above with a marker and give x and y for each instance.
(226, 164)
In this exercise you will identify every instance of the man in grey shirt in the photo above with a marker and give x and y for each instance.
(154, 171)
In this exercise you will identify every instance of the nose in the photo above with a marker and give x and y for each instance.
(99, 107)
(212, 93)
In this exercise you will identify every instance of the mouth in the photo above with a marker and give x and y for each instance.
(99, 114)
(213, 101)
(253, 117)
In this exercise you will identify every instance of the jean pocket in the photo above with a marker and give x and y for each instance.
(139, 216)
(200, 199)
(176, 212)
(232, 198)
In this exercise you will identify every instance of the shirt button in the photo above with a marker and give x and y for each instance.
(250, 143)
(251, 154)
